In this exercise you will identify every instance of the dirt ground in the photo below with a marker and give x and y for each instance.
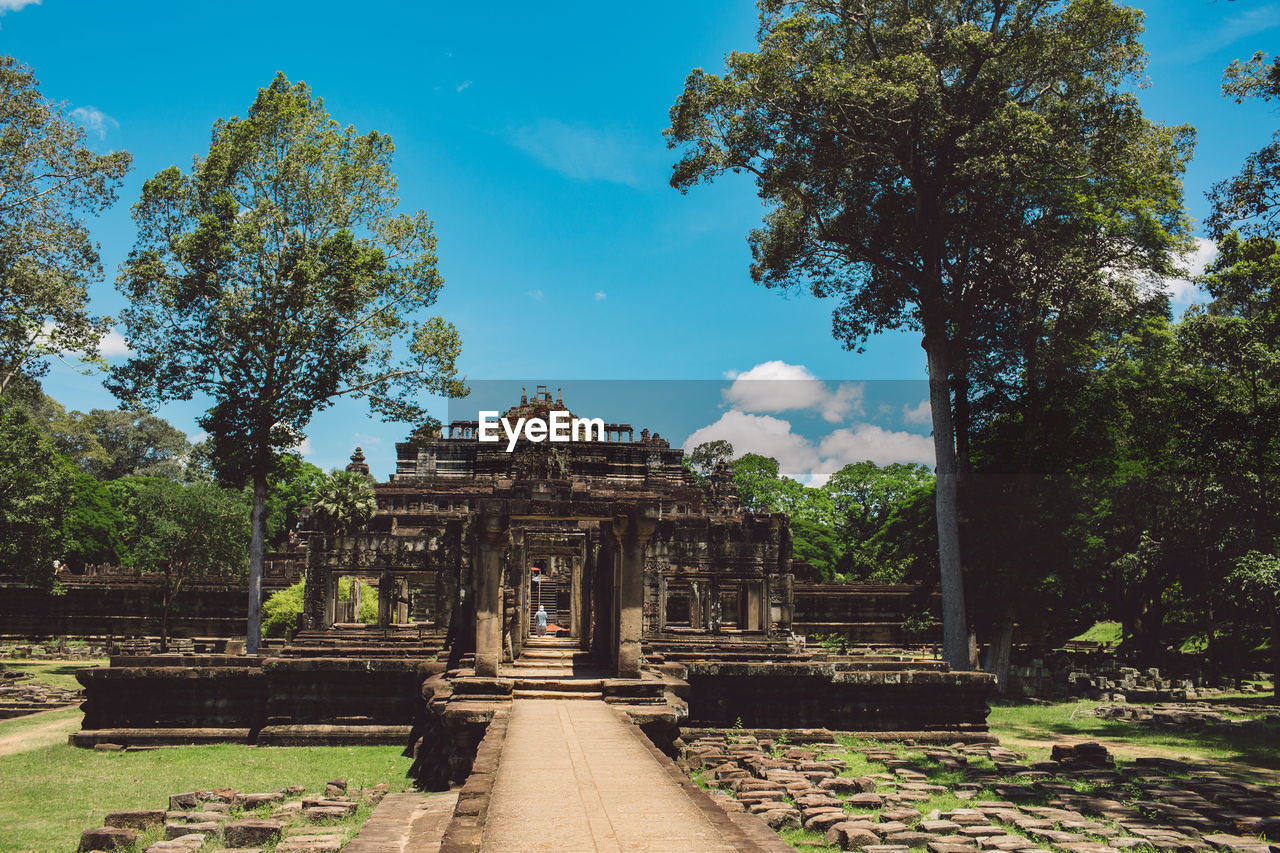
(42, 729)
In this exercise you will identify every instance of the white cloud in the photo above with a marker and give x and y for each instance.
(537, 295)
(762, 434)
(1250, 21)
(16, 5)
(775, 386)
(113, 345)
(601, 295)
(94, 120)
(581, 152)
(881, 446)
(303, 448)
(1182, 290)
(465, 84)
(803, 460)
(920, 413)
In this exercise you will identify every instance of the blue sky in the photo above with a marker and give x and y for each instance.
(531, 134)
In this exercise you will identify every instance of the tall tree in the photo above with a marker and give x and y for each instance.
(1250, 201)
(49, 181)
(289, 490)
(181, 532)
(109, 444)
(275, 278)
(35, 488)
(92, 530)
(902, 147)
(343, 501)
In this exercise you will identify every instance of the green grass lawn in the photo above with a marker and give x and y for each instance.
(1030, 728)
(1106, 633)
(48, 796)
(56, 673)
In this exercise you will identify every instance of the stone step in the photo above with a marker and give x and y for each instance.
(557, 694)
(569, 685)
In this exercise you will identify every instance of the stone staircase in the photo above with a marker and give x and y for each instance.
(460, 705)
(420, 642)
(556, 668)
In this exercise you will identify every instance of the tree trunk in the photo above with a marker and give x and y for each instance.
(1275, 654)
(999, 653)
(257, 520)
(955, 630)
(165, 599)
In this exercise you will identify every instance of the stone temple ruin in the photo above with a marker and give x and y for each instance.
(664, 599)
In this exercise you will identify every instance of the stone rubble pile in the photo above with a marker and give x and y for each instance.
(22, 694)
(1075, 803)
(1195, 716)
(54, 651)
(223, 819)
(1101, 677)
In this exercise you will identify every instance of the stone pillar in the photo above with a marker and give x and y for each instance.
(386, 594)
(402, 601)
(330, 600)
(490, 532)
(520, 560)
(633, 534)
(752, 606)
(575, 593)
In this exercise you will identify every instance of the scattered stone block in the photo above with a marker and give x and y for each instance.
(813, 800)
(253, 801)
(1237, 843)
(323, 814)
(784, 818)
(848, 785)
(184, 802)
(866, 801)
(107, 838)
(851, 835)
(243, 833)
(177, 830)
(950, 847)
(141, 820)
(189, 843)
(909, 838)
(823, 821)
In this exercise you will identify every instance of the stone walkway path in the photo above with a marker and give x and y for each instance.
(574, 777)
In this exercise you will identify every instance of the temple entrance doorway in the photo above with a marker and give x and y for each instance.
(555, 562)
(353, 600)
(551, 587)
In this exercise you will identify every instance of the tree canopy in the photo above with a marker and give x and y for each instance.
(909, 155)
(343, 501)
(35, 486)
(182, 531)
(49, 182)
(276, 277)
